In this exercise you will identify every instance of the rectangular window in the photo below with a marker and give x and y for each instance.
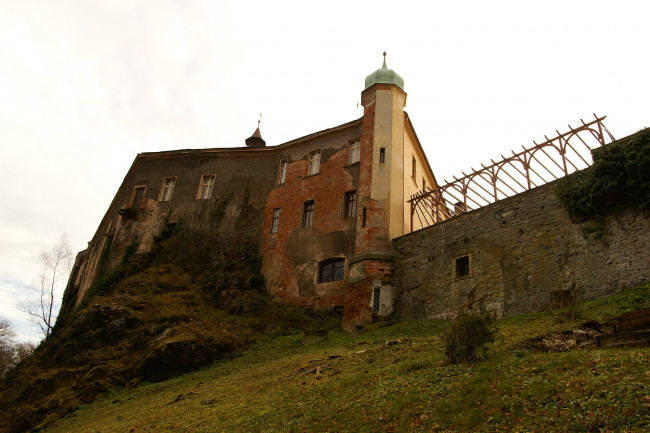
(350, 204)
(138, 195)
(308, 213)
(331, 270)
(276, 220)
(206, 186)
(167, 188)
(424, 184)
(282, 173)
(376, 304)
(461, 267)
(382, 155)
(413, 166)
(314, 162)
(354, 153)
(363, 218)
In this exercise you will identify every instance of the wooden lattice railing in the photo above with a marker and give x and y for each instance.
(532, 167)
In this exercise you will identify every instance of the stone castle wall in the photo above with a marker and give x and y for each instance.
(521, 250)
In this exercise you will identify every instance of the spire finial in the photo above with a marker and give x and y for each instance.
(384, 65)
(259, 120)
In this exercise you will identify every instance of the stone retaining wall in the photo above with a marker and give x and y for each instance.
(521, 250)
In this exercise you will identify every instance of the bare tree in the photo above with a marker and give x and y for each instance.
(42, 308)
(7, 335)
(11, 353)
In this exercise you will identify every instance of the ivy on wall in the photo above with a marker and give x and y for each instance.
(619, 177)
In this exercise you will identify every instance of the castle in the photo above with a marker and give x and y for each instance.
(330, 213)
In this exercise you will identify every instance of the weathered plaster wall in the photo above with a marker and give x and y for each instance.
(243, 182)
(522, 249)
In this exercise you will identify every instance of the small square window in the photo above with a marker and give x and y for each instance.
(206, 186)
(354, 152)
(314, 162)
(282, 173)
(461, 267)
(350, 204)
(308, 213)
(276, 220)
(167, 188)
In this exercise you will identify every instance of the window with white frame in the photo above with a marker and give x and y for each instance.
(282, 173)
(206, 186)
(354, 152)
(276, 220)
(167, 188)
(314, 162)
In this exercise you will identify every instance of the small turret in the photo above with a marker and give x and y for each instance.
(256, 139)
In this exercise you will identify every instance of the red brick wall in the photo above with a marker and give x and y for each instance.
(292, 254)
(358, 302)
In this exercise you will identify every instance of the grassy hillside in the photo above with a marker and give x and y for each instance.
(358, 382)
(195, 299)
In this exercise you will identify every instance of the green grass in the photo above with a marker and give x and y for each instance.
(354, 382)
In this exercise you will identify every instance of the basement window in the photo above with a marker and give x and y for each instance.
(331, 270)
(462, 266)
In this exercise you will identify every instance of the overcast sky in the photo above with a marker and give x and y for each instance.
(86, 85)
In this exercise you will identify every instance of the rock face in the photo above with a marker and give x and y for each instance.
(149, 318)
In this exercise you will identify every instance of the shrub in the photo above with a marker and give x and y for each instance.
(468, 336)
(619, 176)
(565, 304)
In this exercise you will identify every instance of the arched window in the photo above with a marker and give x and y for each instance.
(331, 270)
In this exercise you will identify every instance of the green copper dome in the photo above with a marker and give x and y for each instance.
(385, 76)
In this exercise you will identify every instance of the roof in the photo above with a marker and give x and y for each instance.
(384, 76)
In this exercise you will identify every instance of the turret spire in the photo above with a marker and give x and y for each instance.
(256, 139)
